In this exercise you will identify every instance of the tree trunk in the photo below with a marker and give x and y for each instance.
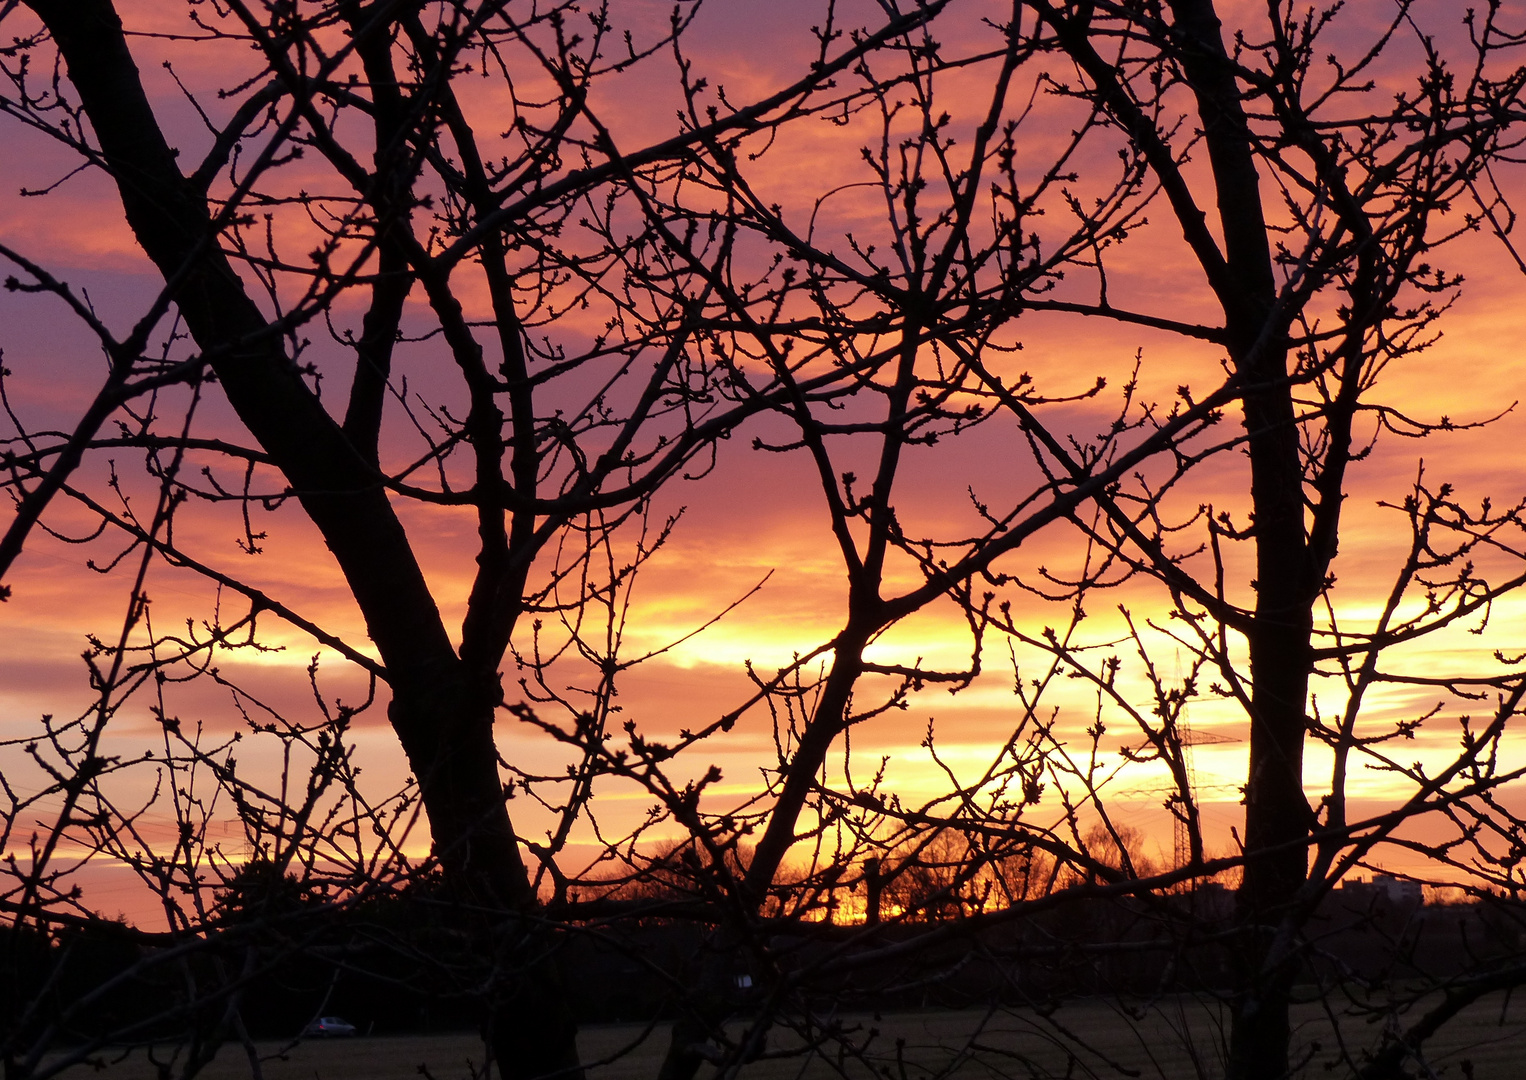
(1277, 815)
(442, 712)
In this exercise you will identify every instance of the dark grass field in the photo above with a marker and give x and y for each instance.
(1175, 1038)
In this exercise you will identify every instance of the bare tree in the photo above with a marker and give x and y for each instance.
(641, 301)
(1326, 214)
(542, 432)
(1316, 303)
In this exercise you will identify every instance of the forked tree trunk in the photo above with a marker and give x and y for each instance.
(441, 709)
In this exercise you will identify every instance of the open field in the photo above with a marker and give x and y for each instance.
(1105, 1040)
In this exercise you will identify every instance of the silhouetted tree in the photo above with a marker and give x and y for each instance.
(543, 315)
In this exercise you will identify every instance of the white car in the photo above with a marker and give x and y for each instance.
(328, 1027)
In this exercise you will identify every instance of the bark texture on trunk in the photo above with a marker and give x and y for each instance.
(441, 709)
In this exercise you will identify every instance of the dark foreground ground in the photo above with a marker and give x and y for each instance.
(1176, 1038)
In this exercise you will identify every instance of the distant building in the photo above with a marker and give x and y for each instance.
(1398, 892)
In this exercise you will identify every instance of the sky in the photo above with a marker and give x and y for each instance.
(756, 517)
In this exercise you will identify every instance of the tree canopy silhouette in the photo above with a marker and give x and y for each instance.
(554, 316)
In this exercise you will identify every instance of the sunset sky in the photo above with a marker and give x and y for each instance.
(757, 517)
